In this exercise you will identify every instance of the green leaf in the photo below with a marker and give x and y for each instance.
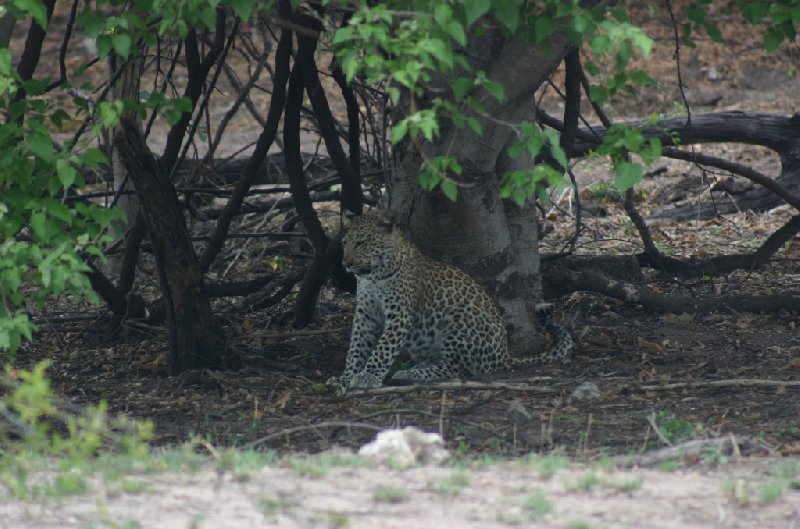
(449, 189)
(696, 14)
(495, 89)
(753, 12)
(461, 87)
(641, 78)
(66, 173)
(442, 14)
(773, 39)
(507, 13)
(627, 175)
(103, 45)
(543, 27)
(242, 8)
(475, 125)
(456, 31)
(442, 52)
(122, 44)
(38, 224)
(475, 9)
(35, 8)
(399, 131)
(41, 145)
(713, 32)
(5, 62)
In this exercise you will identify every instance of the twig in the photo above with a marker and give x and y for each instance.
(726, 445)
(726, 383)
(324, 424)
(459, 386)
(300, 332)
(652, 420)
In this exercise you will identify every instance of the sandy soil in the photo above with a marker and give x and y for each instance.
(471, 496)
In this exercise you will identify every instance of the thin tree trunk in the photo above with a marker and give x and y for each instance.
(195, 340)
(125, 87)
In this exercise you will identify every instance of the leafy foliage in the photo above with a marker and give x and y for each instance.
(414, 47)
(43, 236)
(417, 51)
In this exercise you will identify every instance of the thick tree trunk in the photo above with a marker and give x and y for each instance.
(493, 241)
(195, 340)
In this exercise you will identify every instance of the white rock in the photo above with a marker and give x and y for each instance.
(406, 447)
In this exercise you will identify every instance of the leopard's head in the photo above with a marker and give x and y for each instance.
(372, 243)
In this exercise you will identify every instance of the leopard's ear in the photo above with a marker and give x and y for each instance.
(389, 219)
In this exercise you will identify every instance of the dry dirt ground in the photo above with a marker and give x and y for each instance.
(506, 494)
(696, 376)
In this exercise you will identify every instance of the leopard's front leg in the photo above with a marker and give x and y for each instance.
(388, 347)
(367, 328)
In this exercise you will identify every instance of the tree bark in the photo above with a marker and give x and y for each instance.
(195, 340)
(125, 87)
(492, 241)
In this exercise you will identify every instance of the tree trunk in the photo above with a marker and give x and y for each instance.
(7, 23)
(195, 341)
(492, 240)
(125, 87)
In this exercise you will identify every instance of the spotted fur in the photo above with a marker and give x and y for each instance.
(407, 301)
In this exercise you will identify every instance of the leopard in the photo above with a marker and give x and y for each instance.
(408, 301)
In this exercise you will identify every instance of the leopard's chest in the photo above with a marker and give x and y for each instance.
(414, 310)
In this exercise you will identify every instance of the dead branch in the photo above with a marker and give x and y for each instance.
(300, 332)
(727, 445)
(677, 304)
(757, 382)
(467, 385)
(312, 427)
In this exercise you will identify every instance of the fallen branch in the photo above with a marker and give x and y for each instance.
(758, 382)
(523, 387)
(324, 424)
(570, 281)
(691, 450)
(299, 332)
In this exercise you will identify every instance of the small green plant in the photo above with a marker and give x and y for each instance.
(737, 491)
(674, 429)
(587, 481)
(669, 465)
(134, 486)
(319, 465)
(626, 485)
(453, 484)
(271, 507)
(45, 432)
(70, 482)
(338, 521)
(604, 191)
(390, 494)
(537, 505)
(578, 524)
(770, 492)
(713, 457)
(548, 465)
(309, 468)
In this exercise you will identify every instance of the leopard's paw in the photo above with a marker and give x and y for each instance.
(365, 380)
(405, 374)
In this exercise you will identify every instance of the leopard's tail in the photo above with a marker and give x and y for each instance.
(563, 343)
